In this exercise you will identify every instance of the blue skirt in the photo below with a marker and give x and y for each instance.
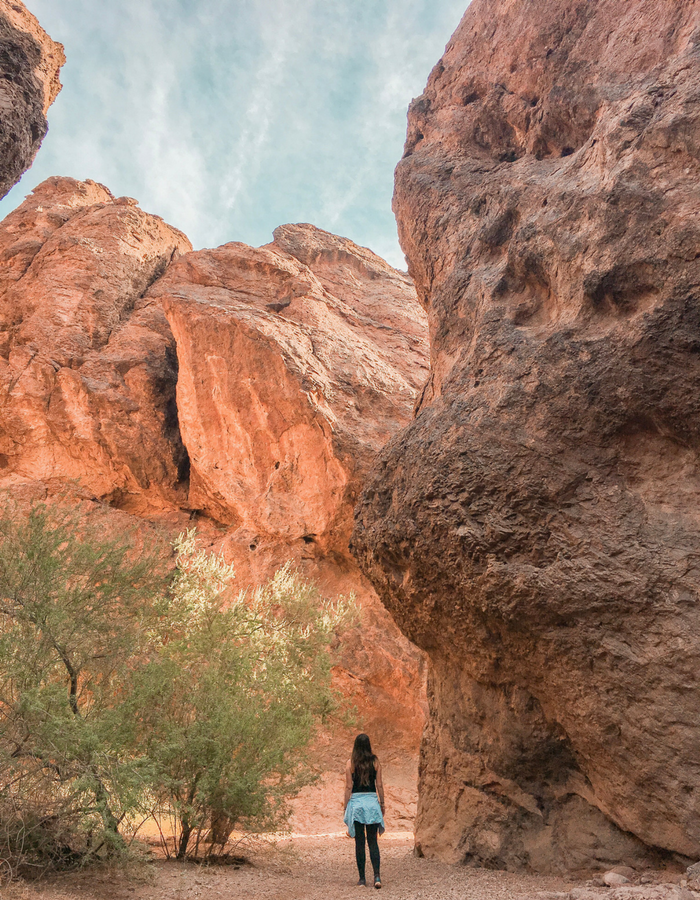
(363, 808)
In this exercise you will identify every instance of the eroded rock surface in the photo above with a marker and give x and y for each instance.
(536, 528)
(30, 63)
(292, 377)
(256, 418)
(87, 365)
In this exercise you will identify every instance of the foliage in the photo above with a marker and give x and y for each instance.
(227, 704)
(126, 689)
(72, 622)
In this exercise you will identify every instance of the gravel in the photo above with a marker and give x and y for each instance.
(314, 867)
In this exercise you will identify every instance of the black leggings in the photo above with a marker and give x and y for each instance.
(360, 847)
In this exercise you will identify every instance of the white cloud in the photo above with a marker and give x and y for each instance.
(280, 27)
(229, 117)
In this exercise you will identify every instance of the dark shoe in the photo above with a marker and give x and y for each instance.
(377, 882)
(362, 883)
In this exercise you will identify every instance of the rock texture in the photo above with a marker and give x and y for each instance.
(297, 362)
(29, 66)
(536, 528)
(87, 365)
(256, 416)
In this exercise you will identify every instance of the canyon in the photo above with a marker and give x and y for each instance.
(244, 392)
(535, 529)
(496, 454)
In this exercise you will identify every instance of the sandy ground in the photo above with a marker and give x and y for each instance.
(305, 867)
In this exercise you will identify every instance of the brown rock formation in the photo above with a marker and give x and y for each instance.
(87, 366)
(535, 529)
(29, 66)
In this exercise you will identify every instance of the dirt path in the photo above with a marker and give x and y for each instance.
(322, 867)
(303, 868)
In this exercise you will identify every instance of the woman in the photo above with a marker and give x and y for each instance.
(364, 805)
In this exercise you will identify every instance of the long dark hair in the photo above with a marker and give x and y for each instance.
(363, 761)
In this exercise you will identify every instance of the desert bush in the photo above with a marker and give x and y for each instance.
(131, 687)
(227, 704)
(73, 622)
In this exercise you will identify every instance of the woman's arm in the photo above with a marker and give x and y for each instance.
(348, 783)
(380, 786)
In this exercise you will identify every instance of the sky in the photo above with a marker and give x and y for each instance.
(231, 117)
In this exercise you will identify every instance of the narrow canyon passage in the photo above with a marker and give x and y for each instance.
(496, 454)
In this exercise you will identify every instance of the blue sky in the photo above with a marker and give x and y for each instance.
(230, 117)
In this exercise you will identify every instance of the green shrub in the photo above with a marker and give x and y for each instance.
(128, 690)
(228, 701)
(72, 623)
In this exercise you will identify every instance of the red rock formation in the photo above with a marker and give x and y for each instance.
(290, 382)
(297, 361)
(87, 366)
(535, 530)
(29, 66)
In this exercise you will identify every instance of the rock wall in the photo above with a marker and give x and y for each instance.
(87, 364)
(297, 362)
(536, 528)
(29, 66)
(245, 391)
(290, 382)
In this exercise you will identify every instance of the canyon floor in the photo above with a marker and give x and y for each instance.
(318, 867)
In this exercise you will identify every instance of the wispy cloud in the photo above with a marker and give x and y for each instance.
(230, 117)
(280, 27)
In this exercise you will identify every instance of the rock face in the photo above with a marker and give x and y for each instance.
(297, 362)
(254, 411)
(87, 365)
(536, 528)
(29, 65)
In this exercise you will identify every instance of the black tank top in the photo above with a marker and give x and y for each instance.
(365, 789)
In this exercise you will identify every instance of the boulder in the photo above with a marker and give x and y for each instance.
(30, 63)
(535, 529)
(626, 871)
(615, 879)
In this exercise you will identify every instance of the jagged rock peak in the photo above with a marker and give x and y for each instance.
(313, 247)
